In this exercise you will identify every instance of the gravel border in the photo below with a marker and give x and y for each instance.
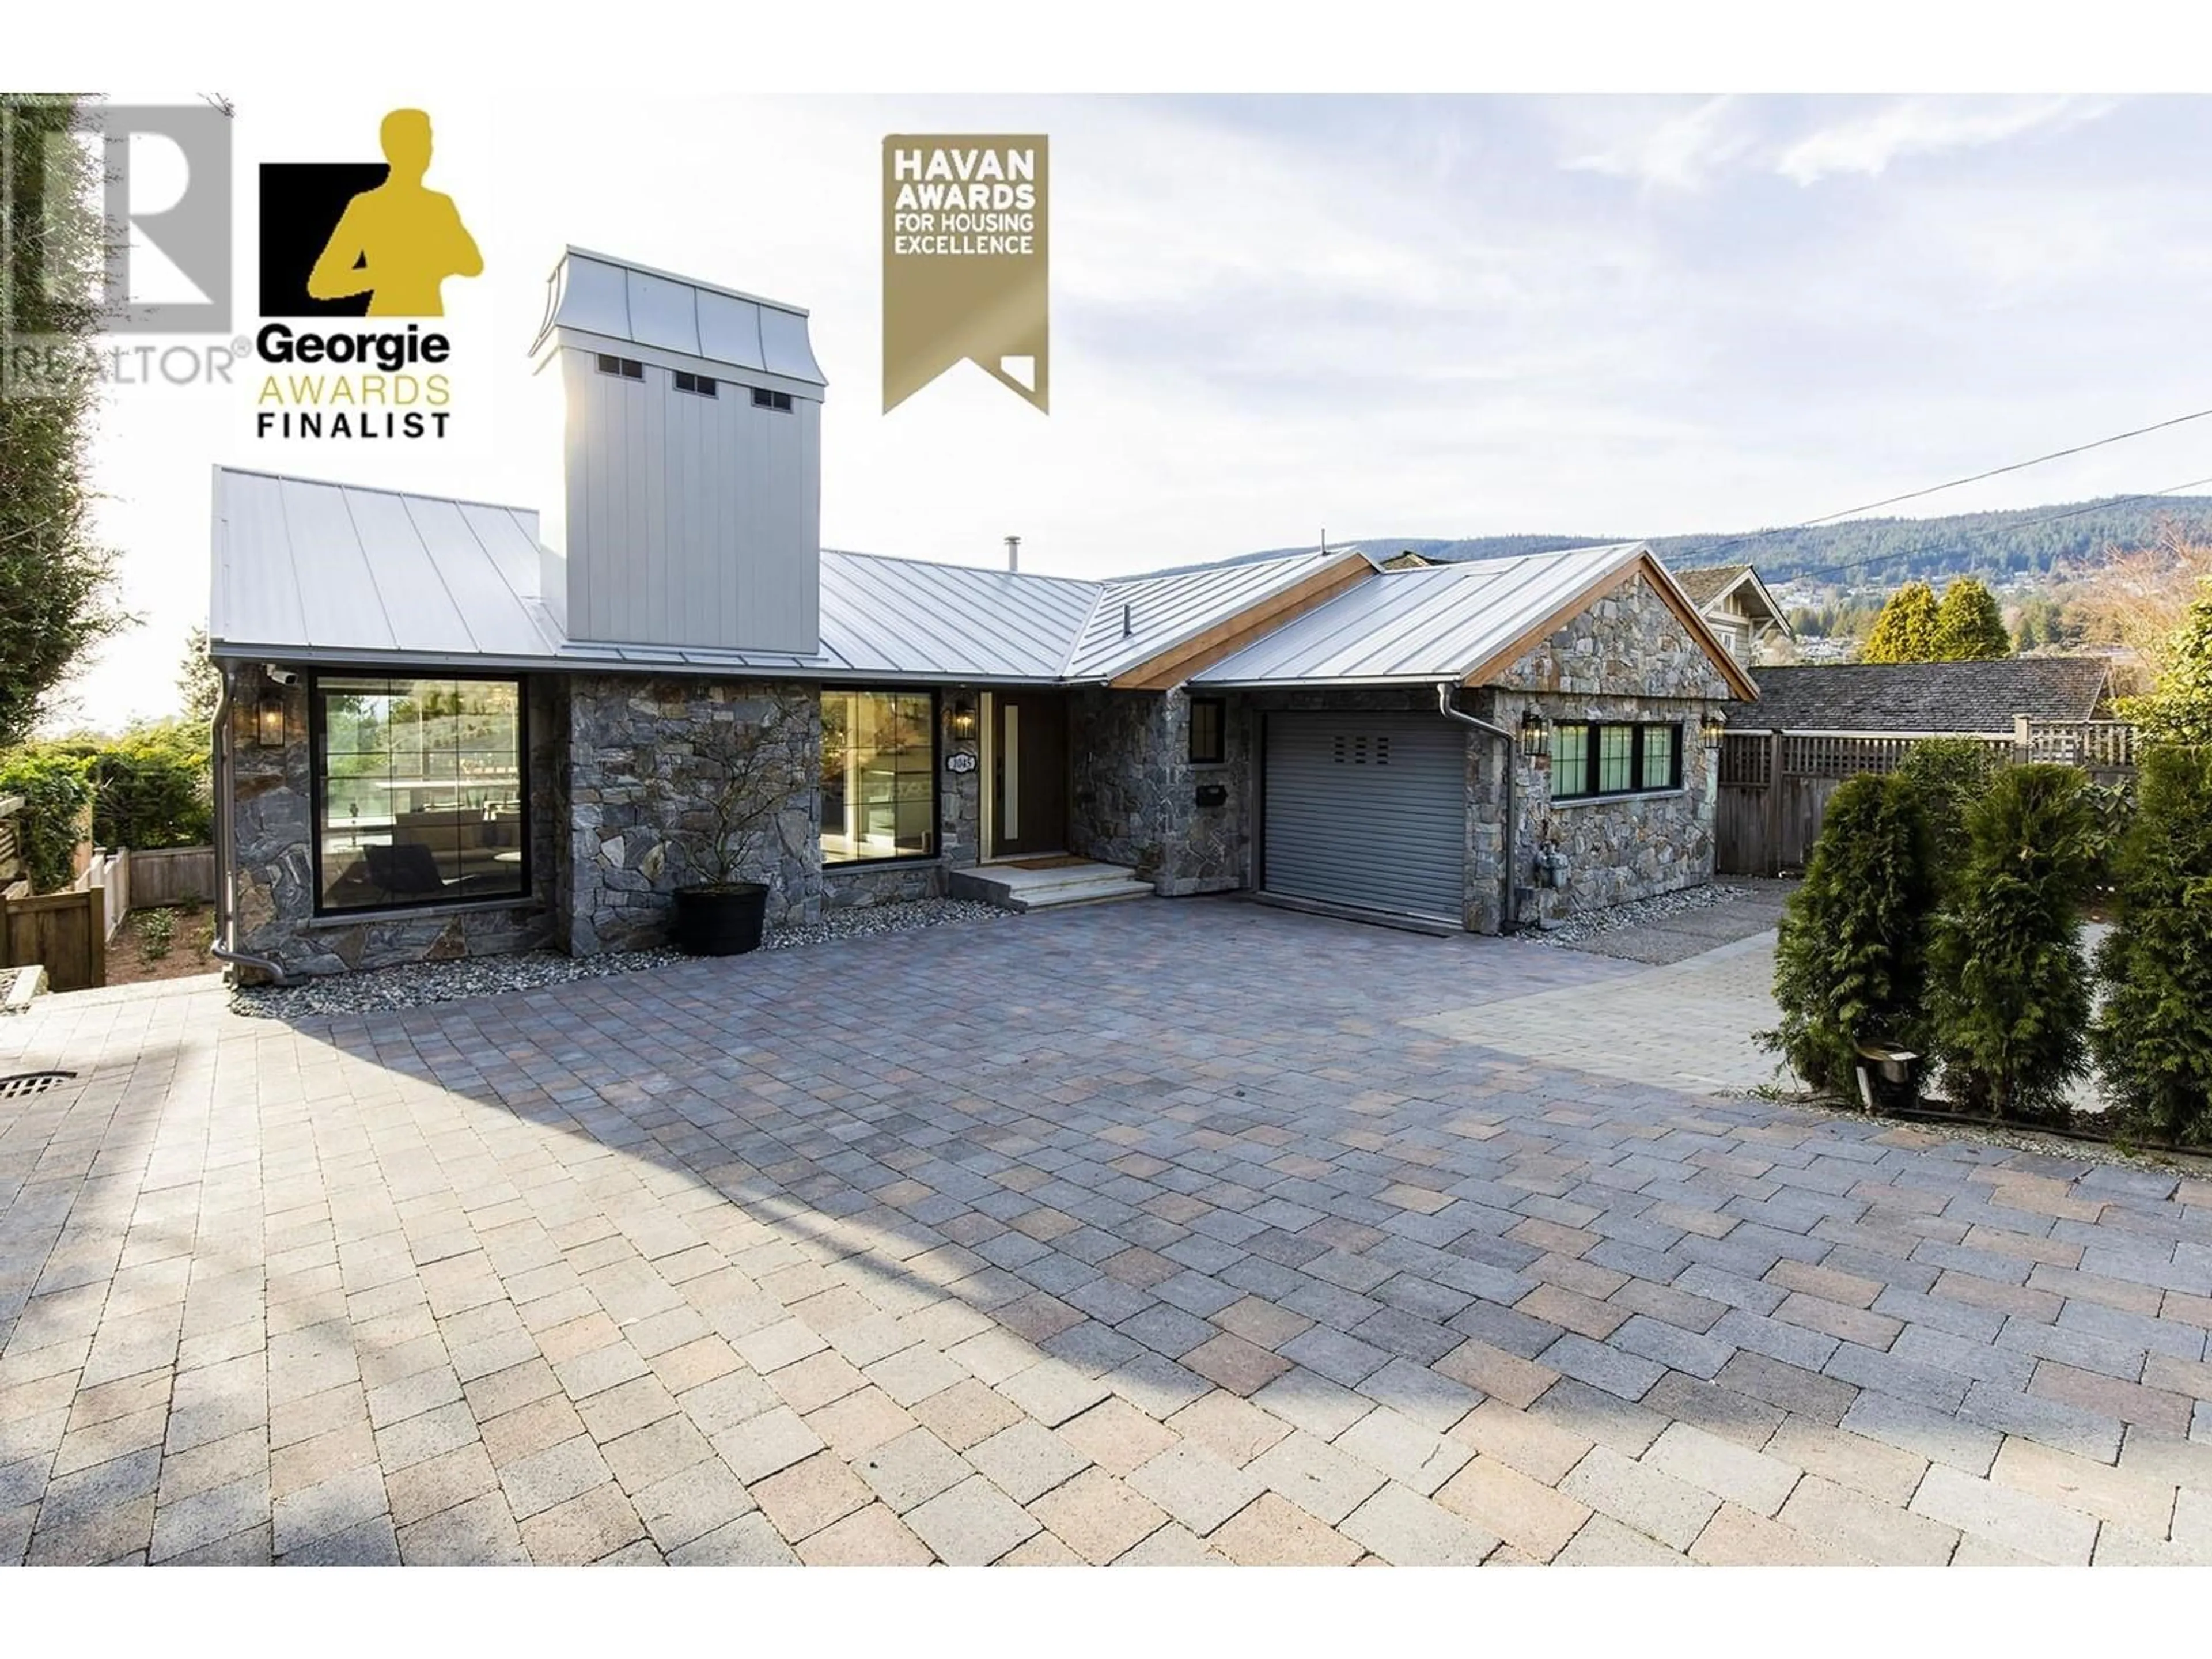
(2016, 1137)
(417, 984)
(1638, 912)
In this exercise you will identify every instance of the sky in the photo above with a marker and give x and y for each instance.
(1273, 317)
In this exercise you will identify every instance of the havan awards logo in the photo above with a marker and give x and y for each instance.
(344, 239)
(965, 262)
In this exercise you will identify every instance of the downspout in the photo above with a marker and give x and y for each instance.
(222, 950)
(1509, 907)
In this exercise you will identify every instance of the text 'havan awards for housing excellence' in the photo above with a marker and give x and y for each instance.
(964, 261)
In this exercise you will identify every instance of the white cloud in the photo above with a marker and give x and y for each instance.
(1919, 126)
(1683, 152)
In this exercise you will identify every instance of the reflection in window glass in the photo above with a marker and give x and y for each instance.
(879, 775)
(1569, 761)
(1658, 757)
(1616, 756)
(418, 792)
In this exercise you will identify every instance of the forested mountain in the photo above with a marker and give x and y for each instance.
(2026, 543)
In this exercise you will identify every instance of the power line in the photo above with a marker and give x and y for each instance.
(1884, 557)
(1953, 483)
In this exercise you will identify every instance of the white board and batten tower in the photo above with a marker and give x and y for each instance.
(689, 511)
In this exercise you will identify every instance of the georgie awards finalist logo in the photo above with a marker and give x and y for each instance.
(964, 261)
(358, 239)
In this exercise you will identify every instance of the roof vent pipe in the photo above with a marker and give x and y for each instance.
(1128, 622)
(1013, 553)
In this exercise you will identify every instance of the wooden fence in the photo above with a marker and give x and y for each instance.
(172, 876)
(65, 933)
(1775, 785)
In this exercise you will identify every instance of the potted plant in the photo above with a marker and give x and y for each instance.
(739, 777)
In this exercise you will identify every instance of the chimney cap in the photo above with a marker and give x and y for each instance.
(603, 300)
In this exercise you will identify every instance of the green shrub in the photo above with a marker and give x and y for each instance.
(1951, 775)
(1849, 965)
(2153, 1036)
(2008, 986)
(55, 788)
(157, 932)
(2112, 810)
(152, 784)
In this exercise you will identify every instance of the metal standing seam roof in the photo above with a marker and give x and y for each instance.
(1161, 612)
(1408, 626)
(309, 570)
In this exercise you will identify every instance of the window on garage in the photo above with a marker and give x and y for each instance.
(1590, 759)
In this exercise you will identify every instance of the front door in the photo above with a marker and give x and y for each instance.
(1029, 772)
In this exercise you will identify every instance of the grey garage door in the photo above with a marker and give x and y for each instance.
(1366, 809)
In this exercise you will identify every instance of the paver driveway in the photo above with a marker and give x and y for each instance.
(1150, 1233)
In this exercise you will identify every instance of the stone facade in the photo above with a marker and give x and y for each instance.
(273, 866)
(1627, 658)
(1135, 796)
(618, 810)
(639, 815)
(618, 806)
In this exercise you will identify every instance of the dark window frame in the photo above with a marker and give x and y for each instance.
(936, 851)
(1219, 708)
(778, 401)
(1593, 748)
(619, 369)
(317, 779)
(699, 385)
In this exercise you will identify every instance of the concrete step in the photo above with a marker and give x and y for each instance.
(1014, 889)
(18, 986)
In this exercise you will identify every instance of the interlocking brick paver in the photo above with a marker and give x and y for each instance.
(972, 1525)
(632, 1249)
(690, 1503)
(1323, 1479)
(1866, 1528)
(1196, 1485)
(872, 1537)
(809, 1495)
(1098, 1516)
(912, 1469)
(2013, 1520)
(1026, 1461)
(1531, 1515)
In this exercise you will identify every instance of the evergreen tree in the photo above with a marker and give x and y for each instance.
(1951, 775)
(1969, 627)
(199, 681)
(2180, 707)
(2009, 988)
(2153, 1035)
(56, 582)
(1849, 963)
(1906, 630)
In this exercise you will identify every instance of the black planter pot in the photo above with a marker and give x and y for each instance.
(723, 920)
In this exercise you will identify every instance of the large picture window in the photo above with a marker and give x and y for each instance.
(419, 791)
(878, 776)
(1591, 760)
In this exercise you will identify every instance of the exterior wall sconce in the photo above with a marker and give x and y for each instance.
(269, 720)
(1536, 737)
(963, 720)
(1715, 727)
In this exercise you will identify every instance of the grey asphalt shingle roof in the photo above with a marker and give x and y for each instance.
(1927, 696)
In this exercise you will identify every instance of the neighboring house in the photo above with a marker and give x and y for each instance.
(1927, 699)
(1732, 598)
(450, 726)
